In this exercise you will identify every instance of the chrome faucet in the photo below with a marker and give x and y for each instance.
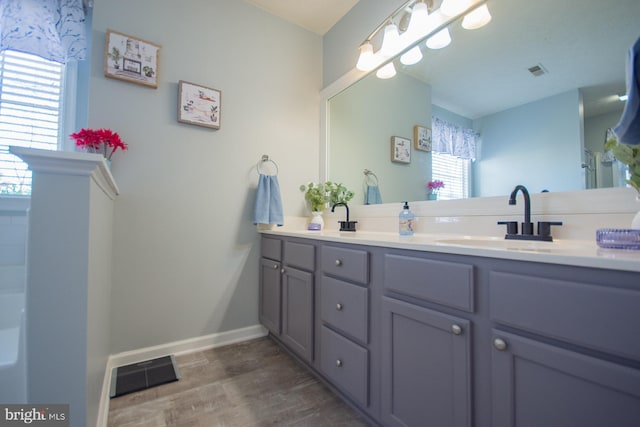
(345, 225)
(544, 227)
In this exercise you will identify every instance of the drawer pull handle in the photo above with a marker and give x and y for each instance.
(338, 263)
(456, 329)
(339, 307)
(275, 266)
(338, 363)
(282, 271)
(500, 344)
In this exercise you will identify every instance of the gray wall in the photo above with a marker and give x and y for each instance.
(185, 249)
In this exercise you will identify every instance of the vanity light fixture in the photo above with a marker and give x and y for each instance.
(477, 18)
(439, 40)
(412, 57)
(386, 72)
(366, 60)
(454, 7)
(391, 42)
(421, 24)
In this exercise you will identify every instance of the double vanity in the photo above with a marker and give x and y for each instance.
(452, 330)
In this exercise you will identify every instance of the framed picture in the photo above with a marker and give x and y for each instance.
(199, 105)
(400, 149)
(422, 138)
(131, 59)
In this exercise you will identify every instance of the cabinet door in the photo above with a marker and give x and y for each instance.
(270, 294)
(297, 311)
(426, 373)
(536, 384)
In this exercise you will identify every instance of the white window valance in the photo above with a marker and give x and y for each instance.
(452, 139)
(52, 29)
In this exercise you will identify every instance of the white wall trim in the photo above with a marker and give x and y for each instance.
(190, 345)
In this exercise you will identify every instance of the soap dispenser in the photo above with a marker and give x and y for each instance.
(406, 221)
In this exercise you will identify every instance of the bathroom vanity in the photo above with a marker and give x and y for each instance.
(459, 331)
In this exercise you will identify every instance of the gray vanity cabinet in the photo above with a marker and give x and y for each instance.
(537, 384)
(344, 313)
(427, 339)
(271, 284)
(567, 357)
(287, 293)
(426, 375)
(426, 353)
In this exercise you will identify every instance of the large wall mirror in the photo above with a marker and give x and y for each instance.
(546, 132)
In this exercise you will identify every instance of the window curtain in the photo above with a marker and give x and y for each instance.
(51, 29)
(454, 140)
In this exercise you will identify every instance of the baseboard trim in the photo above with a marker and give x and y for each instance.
(190, 345)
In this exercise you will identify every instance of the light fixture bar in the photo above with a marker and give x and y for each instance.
(436, 21)
(386, 21)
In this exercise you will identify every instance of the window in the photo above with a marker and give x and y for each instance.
(31, 113)
(454, 172)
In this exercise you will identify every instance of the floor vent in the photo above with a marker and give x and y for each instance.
(142, 375)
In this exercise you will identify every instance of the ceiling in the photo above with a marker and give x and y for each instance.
(317, 16)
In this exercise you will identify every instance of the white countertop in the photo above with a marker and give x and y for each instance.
(582, 253)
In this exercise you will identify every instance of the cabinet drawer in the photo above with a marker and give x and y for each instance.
(445, 283)
(346, 364)
(350, 264)
(299, 255)
(599, 317)
(345, 307)
(271, 248)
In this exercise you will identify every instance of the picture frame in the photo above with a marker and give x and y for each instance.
(422, 138)
(131, 59)
(199, 105)
(400, 149)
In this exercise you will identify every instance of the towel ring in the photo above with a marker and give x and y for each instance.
(370, 174)
(264, 159)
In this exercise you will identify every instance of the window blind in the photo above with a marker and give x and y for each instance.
(30, 113)
(454, 172)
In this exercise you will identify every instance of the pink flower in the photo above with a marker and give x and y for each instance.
(99, 140)
(435, 185)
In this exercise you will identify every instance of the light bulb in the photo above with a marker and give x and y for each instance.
(366, 60)
(439, 40)
(386, 72)
(391, 41)
(412, 57)
(454, 7)
(419, 18)
(476, 18)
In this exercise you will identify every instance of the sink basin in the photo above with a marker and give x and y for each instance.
(511, 245)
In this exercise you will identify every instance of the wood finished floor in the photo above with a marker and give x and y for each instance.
(253, 383)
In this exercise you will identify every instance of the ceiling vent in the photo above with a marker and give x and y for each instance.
(537, 70)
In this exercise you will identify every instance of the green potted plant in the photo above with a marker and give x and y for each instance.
(629, 155)
(318, 195)
(337, 193)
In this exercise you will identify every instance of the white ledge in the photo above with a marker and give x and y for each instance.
(70, 163)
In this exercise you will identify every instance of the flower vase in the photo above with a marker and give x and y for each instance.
(432, 196)
(317, 222)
